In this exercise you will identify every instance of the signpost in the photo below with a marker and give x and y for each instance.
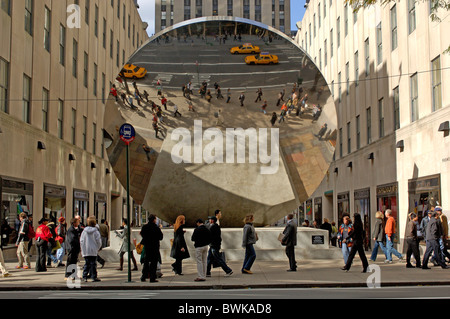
(127, 135)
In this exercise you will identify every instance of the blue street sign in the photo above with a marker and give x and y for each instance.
(127, 133)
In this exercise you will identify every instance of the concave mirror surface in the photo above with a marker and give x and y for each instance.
(213, 149)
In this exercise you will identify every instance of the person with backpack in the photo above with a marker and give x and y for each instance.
(22, 242)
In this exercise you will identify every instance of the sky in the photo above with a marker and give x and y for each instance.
(147, 12)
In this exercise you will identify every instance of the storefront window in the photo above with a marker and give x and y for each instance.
(387, 199)
(424, 193)
(318, 210)
(81, 205)
(343, 206)
(362, 206)
(308, 211)
(17, 197)
(100, 206)
(54, 202)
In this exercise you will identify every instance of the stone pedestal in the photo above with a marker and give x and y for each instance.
(311, 244)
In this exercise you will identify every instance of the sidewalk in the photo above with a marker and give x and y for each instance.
(266, 274)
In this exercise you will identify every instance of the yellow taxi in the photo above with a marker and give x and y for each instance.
(246, 48)
(263, 58)
(133, 72)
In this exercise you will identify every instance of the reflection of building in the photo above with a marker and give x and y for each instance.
(275, 13)
(387, 71)
(54, 81)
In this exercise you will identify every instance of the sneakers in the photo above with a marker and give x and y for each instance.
(7, 274)
(228, 274)
(388, 261)
(199, 279)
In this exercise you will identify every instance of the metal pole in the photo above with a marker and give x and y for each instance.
(128, 213)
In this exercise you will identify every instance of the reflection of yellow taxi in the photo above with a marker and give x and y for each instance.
(245, 48)
(263, 58)
(133, 72)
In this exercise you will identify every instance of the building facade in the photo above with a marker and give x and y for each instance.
(58, 60)
(275, 13)
(387, 68)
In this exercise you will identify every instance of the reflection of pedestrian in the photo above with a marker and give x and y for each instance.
(322, 131)
(259, 94)
(273, 119)
(228, 95)
(263, 107)
(147, 151)
(242, 98)
(175, 108)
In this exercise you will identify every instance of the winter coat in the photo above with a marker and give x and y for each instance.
(179, 243)
(90, 241)
(73, 239)
(201, 236)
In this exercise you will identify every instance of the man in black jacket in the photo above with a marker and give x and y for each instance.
(201, 238)
(214, 249)
(432, 237)
(290, 241)
(151, 236)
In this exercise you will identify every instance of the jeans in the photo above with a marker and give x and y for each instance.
(250, 256)
(390, 248)
(214, 253)
(90, 267)
(60, 253)
(432, 246)
(373, 257)
(345, 252)
(444, 252)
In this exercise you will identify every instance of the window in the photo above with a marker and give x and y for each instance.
(347, 77)
(73, 127)
(369, 125)
(411, 15)
(47, 19)
(60, 123)
(95, 80)
(6, 6)
(331, 43)
(86, 11)
(367, 56)
(230, 8)
(356, 68)
(257, 10)
(62, 44)
(318, 12)
(338, 27)
(29, 16)
(104, 33)
(75, 59)
(340, 143)
(84, 132)
(394, 40)
(4, 85)
(414, 97)
(94, 138)
(379, 45)
(45, 102)
(320, 59)
(26, 108)
(324, 9)
(103, 88)
(396, 109)
(325, 53)
(246, 9)
(358, 133)
(339, 87)
(349, 139)
(215, 7)
(85, 70)
(436, 83)
(345, 21)
(96, 21)
(111, 43)
(381, 117)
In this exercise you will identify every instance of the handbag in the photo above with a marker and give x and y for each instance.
(215, 262)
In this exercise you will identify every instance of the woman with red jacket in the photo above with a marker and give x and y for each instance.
(43, 236)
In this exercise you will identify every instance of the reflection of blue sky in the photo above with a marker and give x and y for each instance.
(147, 12)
